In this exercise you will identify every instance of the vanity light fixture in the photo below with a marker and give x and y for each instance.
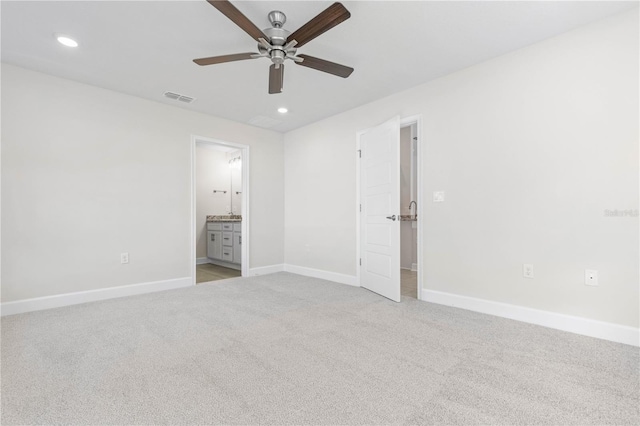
(283, 110)
(66, 40)
(235, 163)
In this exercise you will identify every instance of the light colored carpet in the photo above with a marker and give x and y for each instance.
(285, 349)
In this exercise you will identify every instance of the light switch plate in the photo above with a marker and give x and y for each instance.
(438, 196)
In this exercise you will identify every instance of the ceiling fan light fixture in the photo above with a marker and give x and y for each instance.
(283, 110)
(66, 40)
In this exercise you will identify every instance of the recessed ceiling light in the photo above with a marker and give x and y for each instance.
(283, 110)
(67, 41)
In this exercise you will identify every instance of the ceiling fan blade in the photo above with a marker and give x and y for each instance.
(327, 19)
(276, 78)
(238, 18)
(325, 66)
(224, 58)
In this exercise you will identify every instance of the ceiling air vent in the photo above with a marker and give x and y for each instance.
(185, 99)
(179, 97)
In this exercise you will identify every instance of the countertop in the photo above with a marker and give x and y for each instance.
(224, 218)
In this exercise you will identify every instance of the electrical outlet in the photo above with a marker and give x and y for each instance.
(591, 277)
(438, 196)
(527, 270)
(124, 257)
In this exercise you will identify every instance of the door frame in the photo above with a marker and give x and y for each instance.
(404, 122)
(244, 149)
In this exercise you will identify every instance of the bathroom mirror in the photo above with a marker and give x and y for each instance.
(235, 169)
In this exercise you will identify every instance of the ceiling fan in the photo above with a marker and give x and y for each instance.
(278, 44)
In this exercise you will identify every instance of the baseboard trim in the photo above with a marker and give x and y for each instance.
(264, 270)
(578, 325)
(202, 260)
(324, 275)
(414, 267)
(60, 300)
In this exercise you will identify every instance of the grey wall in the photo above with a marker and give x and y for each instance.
(89, 173)
(531, 149)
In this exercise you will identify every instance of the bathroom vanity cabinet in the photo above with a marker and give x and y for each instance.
(224, 244)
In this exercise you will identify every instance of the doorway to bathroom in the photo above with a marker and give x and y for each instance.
(389, 222)
(219, 212)
(409, 211)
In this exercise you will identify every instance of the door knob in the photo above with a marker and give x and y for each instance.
(392, 217)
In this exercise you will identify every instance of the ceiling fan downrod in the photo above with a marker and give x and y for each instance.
(277, 18)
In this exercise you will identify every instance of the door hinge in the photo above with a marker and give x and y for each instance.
(360, 261)
(359, 153)
(360, 207)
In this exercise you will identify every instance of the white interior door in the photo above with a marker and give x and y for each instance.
(380, 205)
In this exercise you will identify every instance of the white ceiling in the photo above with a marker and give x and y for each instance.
(145, 48)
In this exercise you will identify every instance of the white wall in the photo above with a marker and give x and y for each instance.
(530, 147)
(89, 173)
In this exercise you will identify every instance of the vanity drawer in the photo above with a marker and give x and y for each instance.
(227, 238)
(227, 254)
(226, 226)
(213, 226)
(237, 227)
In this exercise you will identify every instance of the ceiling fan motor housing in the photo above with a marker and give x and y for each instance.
(277, 38)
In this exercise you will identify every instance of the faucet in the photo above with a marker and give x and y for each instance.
(416, 208)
